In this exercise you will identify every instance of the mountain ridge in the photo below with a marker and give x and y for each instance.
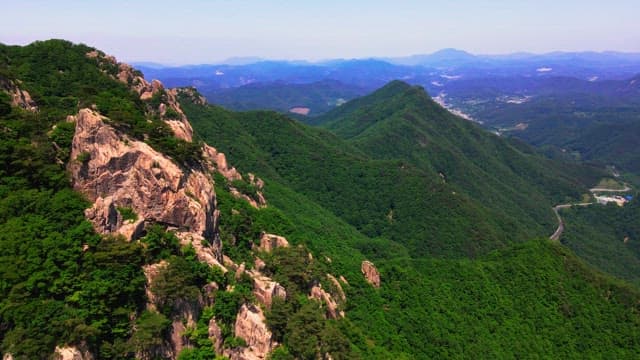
(387, 257)
(72, 290)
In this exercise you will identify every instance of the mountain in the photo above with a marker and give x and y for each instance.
(113, 220)
(308, 99)
(424, 169)
(555, 101)
(441, 58)
(275, 147)
(125, 235)
(220, 76)
(242, 60)
(402, 122)
(368, 74)
(148, 65)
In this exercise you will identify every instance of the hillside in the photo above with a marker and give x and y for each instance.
(402, 122)
(124, 235)
(608, 237)
(319, 97)
(112, 228)
(434, 210)
(414, 279)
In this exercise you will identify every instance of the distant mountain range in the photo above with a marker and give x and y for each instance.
(442, 71)
(556, 100)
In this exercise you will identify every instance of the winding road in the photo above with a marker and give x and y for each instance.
(556, 235)
(626, 188)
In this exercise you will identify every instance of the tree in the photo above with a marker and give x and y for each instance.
(150, 332)
(303, 331)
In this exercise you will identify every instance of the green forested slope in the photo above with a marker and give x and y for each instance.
(608, 237)
(528, 301)
(402, 122)
(379, 197)
(531, 300)
(423, 177)
(51, 290)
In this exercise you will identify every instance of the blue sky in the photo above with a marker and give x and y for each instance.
(199, 31)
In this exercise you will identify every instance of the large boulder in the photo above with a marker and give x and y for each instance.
(265, 289)
(268, 242)
(19, 97)
(338, 287)
(318, 293)
(370, 273)
(250, 325)
(71, 353)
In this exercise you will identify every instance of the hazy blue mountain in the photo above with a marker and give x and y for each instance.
(317, 97)
(441, 58)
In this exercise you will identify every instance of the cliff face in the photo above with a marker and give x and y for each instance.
(116, 173)
(168, 107)
(370, 273)
(268, 242)
(131, 185)
(250, 326)
(72, 353)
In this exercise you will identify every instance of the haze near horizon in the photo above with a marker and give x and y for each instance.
(197, 31)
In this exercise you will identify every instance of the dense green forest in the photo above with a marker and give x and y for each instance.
(475, 307)
(608, 237)
(443, 190)
(595, 122)
(64, 284)
(461, 276)
(60, 282)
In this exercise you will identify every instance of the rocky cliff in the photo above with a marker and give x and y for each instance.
(19, 97)
(159, 101)
(130, 184)
(250, 326)
(370, 273)
(72, 353)
(268, 242)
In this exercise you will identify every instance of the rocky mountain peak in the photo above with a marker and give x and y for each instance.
(192, 94)
(160, 102)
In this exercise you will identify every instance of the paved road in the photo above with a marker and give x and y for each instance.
(556, 235)
(626, 188)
